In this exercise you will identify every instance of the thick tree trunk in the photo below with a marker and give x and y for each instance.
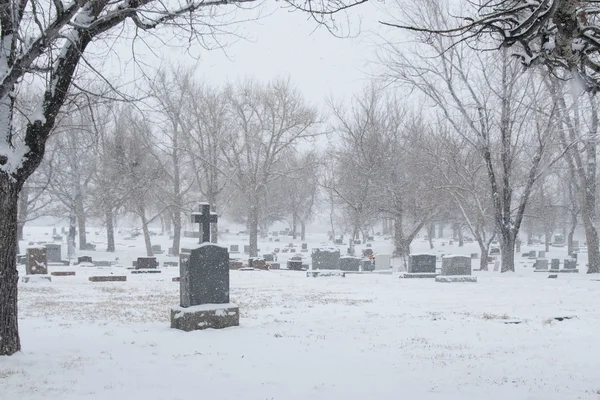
(547, 240)
(71, 235)
(401, 243)
(294, 226)
(9, 326)
(461, 239)
(80, 212)
(253, 228)
(110, 229)
(483, 260)
(23, 211)
(430, 234)
(146, 231)
(176, 231)
(507, 250)
(441, 231)
(303, 231)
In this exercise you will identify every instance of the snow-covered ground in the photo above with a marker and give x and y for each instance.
(358, 337)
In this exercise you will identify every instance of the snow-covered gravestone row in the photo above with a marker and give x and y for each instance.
(421, 266)
(456, 269)
(204, 287)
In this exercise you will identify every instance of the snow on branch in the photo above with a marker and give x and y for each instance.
(559, 34)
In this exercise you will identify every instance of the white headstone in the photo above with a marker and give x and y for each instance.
(383, 262)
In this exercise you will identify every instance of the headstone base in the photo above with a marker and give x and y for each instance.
(567, 271)
(545, 270)
(419, 275)
(315, 274)
(109, 278)
(63, 273)
(216, 316)
(455, 278)
(146, 271)
(36, 278)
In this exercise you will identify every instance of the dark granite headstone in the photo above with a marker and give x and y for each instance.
(456, 265)
(368, 265)
(246, 249)
(295, 263)
(541, 265)
(325, 259)
(84, 259)
(269, 257)
(494, 251)
(146, 263)
(421, 263)
(53, 252)
(37, 263)
(555, 264)
(234, 248)
(349, 263)
(570, 264)
(157, 249)
(204, 276)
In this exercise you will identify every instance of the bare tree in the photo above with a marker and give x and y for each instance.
(270, 121)
(579, 139)
(563, 35)
(494, 100)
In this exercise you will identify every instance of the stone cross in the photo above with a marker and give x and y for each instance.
(204, 217)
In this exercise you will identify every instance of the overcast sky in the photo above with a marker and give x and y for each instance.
(282, 43)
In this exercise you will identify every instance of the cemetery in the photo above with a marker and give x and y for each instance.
(221, 200)
(208, 288)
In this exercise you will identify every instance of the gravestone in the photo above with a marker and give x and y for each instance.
(456, 269)
(368, 265)
(518, 246)
(234, 248)
(496, 266)
(246, 249)
(37, 262)
(495, 251)
(559, 240)
(295, 263)
(421, 266)
(541, 265)
(349, 263)
(84, 260)
(421, 263)
(325, 259)
(474, 256)
(570, 266)
(383, 262)
(204, 217)
(269, 257)
(146, 263)
(555, 264)
(257, 263)
(157, 249)
(531, 254)
(204, 288)
(541, 254)
(367, 253)
(304, 247)
(204, 276)
(53, 253)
